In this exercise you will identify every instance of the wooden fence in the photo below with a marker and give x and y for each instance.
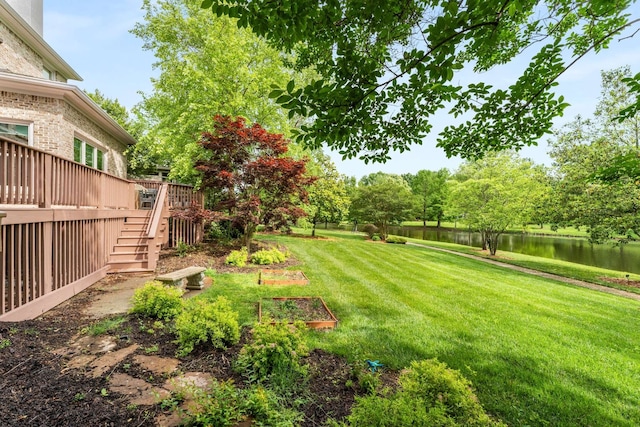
(61, 221)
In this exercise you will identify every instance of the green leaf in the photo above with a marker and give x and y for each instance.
(290, 86)
(206, 4)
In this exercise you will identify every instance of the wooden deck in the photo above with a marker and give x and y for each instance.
(64, 226)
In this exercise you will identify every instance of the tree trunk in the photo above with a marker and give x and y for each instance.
(326, 224)
(484, 237)
(493, 243)
(439, 222)
(313, 230)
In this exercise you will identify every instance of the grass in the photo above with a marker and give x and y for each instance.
(547, 265)
(530, 228)
(104, 326)
(538, 352)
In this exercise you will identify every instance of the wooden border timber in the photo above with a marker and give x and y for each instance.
(312, 324)
(266, 277)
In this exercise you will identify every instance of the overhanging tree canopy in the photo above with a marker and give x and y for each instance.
(387, 67)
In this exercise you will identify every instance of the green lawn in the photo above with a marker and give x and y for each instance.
(548, 265)
(538, 352)
(531, 228)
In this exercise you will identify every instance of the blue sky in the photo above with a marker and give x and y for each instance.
(93, 37)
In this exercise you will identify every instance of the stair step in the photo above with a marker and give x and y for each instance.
(132, 233)
(127, 265)
(139, 214)
(129, 248)
(135, 226)
(132, 240)
(128, 256)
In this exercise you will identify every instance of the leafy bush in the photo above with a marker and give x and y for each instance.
(237, 258)
(375, 238)
(430, 394)
(267, 257)
(370, 230)
(202, 321)
(218, 405)
(396, 239)
(223, 404)
(182, 249)
(274, 356)
(157, 301)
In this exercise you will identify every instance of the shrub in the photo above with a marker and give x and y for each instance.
(375, 238)
(202, 321)
(370, 230)
(267, 257)
(237, 258)
(274, 356)
(396, 239)
(430, 394)
(182, 249)
(223, 404)
(157, 301)
(217, 405)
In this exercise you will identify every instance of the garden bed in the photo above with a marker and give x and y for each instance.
(282, 277)
(311, 310)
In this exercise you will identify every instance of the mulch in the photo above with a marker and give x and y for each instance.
(36, 389)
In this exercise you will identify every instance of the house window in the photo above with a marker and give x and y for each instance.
(87, 154)
(48, 74)
(16, 132)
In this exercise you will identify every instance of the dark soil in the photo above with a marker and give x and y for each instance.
(624, 282)
(38, 388)
(292, 309)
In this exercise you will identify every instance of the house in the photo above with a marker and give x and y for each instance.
(68, 215)
(39, 108)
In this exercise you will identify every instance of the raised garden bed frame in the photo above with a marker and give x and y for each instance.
(332, 323)
(263, 278)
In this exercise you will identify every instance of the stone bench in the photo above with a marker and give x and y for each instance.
(194, 276)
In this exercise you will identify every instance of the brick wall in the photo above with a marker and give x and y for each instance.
(16, 56)
(56, 123)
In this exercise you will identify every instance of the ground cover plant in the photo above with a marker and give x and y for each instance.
(538, 352)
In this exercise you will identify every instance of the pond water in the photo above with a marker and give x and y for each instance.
(624, 258)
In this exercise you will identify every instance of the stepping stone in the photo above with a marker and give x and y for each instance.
(87, 344)
(103, 363)
(189, 380)
(186, 383)
(79, 362)
(139, 391)
(157, 365)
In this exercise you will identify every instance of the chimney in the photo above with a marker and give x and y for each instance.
(31, 11)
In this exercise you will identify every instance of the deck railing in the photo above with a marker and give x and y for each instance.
(180, 196)
(62, 222)
(31, 177)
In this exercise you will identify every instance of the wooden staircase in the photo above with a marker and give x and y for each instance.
(138, 246)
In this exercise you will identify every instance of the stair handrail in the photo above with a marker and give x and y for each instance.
(160, 209)
(156, 212)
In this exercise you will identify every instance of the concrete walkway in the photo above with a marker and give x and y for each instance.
(115, 298)
(575, 282)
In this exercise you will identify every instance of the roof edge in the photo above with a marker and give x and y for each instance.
(18, 25)
(70, 93)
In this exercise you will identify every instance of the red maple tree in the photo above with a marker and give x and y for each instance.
(250, 179)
